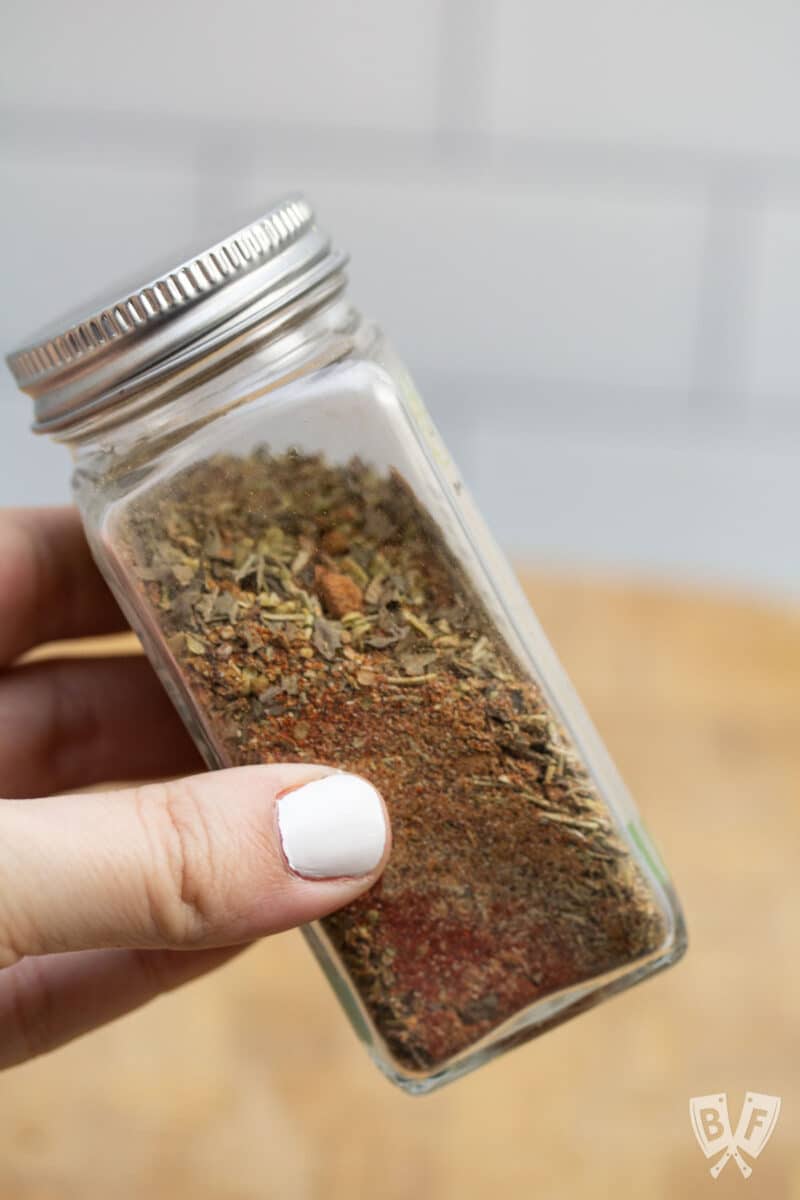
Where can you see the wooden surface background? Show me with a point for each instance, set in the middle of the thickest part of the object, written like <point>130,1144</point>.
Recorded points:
<point>249,1085</point>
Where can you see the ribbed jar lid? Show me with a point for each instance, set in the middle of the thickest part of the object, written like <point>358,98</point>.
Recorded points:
<point>206,299</point>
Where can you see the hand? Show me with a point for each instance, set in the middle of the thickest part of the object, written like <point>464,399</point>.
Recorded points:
<point>107,899</point>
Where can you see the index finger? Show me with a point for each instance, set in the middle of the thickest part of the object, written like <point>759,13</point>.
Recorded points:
<point>50,587</point>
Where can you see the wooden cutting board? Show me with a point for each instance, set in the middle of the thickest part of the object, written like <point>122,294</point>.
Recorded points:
<point>249,1084</point>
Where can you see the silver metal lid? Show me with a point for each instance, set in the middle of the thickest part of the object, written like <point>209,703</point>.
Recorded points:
<point>76,366</point>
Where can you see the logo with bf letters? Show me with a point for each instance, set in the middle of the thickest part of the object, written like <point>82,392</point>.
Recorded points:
<point>712,1128</point>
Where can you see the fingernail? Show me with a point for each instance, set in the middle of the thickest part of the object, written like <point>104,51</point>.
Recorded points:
<point>332,826</point>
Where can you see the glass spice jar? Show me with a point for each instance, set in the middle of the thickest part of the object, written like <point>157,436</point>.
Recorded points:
<point>269,501</point>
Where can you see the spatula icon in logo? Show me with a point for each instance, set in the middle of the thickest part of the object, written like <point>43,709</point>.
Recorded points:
<point>712,1128</point>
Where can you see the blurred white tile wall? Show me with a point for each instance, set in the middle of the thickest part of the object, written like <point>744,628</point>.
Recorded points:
<point>580,223</point>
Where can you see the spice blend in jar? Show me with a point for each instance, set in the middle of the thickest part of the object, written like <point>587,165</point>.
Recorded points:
<point>264,491</point>
<point>317,616</point>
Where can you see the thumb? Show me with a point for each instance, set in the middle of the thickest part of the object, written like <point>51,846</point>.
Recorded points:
<point>211,860</point>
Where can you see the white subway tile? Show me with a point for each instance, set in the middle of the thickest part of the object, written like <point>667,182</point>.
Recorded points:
<point>352,62</point>
<point>720,75</point>
<point>535,280</point>
<point>712,509</point>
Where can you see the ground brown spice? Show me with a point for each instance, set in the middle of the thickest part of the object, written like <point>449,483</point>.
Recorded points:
<point>315,614</point>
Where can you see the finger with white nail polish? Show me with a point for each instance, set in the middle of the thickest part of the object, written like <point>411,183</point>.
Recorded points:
<point>212,860</point>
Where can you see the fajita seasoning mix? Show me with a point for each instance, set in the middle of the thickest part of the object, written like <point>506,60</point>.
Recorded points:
<point>332,625</point>
<point>283,527</point>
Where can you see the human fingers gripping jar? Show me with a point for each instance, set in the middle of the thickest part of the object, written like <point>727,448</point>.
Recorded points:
<point>279,521</point>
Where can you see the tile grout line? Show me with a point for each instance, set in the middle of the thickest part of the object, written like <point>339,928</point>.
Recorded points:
<point>516,159</point>
<point>734,207</point>
<point>462,79</point>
